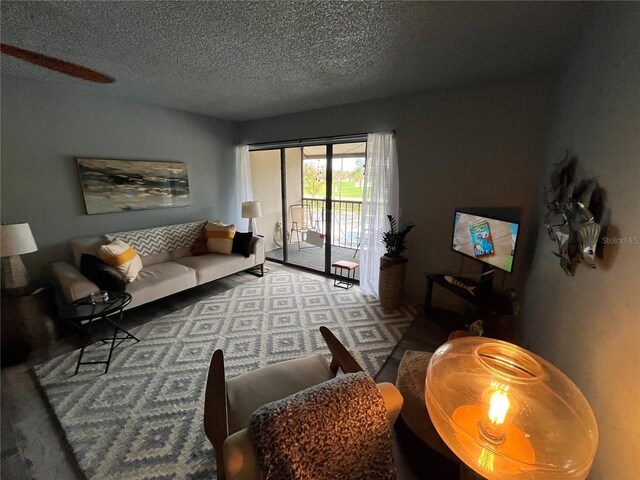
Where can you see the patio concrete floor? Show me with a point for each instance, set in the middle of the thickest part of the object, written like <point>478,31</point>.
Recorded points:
<point>311,256</point>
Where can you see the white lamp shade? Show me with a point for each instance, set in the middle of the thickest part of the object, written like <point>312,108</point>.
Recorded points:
<point>16,239</point>
<point>251,209</point>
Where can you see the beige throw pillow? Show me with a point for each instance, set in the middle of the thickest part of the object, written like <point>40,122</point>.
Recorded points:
<point>220,238</point>
<point>123,258</point>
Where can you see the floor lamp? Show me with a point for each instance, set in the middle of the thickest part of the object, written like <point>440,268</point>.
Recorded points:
<point>508,413</point>
<point>15,240</point>
<point>251,210</point>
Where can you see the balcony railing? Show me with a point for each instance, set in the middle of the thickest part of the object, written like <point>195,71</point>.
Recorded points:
<point>345,220</point>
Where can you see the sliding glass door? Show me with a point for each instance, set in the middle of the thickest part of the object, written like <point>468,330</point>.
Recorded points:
<point>311,197</point>
<point>348,162</point>
<point>306,186</point>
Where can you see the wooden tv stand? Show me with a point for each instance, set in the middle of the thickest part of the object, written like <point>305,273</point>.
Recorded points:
<point>494,307</point>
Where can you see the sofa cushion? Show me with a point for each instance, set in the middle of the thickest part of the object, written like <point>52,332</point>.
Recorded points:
<point>104,276</point>
<point>159,280</point>
<point>148,260</point>
<point>123,258</point>
<point>181,252</point>
<point>213,265</point>
<point>220,238</point>
<point>242,243</point>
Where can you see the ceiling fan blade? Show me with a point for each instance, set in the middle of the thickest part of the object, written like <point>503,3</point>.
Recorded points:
<point>56,64</point>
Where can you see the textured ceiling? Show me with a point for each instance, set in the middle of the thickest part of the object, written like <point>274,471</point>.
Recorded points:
<point>246,60</point>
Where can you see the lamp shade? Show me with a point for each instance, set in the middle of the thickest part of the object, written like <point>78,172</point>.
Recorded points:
<point>251,209</point>
<point>16,239</point>
<point>508,413</point>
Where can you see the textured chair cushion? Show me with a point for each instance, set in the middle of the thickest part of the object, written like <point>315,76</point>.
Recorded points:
<point>240,460</point>
<point>336,429</point>
<point>247,392</point>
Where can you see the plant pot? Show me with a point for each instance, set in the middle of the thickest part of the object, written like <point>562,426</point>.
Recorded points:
<point>391,282</point>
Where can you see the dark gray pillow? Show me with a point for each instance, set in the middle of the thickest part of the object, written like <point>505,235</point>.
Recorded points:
<point>104,276</point>
<point>242,243</point>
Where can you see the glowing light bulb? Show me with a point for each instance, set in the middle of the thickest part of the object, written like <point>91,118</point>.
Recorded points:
<point>499,406</point>
<point>498,411</point>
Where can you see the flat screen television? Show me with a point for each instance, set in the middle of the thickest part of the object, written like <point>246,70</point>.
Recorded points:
<point>485,239</point>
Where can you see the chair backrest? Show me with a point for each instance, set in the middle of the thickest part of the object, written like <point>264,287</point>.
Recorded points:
<point>300,216</point>
<point>217,411</point>
<point>272,383</point>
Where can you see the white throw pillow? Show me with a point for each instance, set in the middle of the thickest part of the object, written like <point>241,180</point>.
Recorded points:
<point>220,237</point>
<point>123,258</point>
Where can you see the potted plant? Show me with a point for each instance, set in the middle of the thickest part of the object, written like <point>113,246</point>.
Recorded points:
<point>393,265</point>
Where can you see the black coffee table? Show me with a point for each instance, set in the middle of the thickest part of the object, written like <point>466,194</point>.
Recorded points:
<point>84,312</point>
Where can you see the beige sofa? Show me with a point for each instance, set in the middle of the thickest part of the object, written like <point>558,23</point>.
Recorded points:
<point>168,265</point>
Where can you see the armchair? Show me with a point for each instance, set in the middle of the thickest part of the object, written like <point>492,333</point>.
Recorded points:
<point>230,403</point>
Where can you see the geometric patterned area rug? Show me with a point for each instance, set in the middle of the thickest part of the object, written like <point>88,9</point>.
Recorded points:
<point>144,419</point>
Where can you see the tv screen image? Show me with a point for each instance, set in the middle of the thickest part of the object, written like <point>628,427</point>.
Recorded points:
<point>488,240</point>
<point>481,238</point>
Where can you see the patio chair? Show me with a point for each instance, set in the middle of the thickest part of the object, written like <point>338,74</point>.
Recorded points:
<point>300,221</point>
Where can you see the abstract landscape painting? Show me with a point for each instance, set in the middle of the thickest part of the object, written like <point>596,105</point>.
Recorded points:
<point>123,185</point>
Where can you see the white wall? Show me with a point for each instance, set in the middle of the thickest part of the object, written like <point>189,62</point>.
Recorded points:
<point>265,173</point>
<point>267,188</point>
<point>45,127</point>
<point>474,146</point>
<point>589,325</point>
<point>293,163</point>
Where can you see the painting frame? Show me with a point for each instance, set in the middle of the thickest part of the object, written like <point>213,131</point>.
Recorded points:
<point>123,185</point>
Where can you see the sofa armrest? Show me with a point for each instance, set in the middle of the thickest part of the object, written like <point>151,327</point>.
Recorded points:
<point>70,282</point>
<point>257,248</point>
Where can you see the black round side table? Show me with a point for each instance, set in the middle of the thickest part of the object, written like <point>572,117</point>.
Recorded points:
<point>84,312</point>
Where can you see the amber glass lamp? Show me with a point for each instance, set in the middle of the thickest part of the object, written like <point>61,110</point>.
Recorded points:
<point>508,413</point>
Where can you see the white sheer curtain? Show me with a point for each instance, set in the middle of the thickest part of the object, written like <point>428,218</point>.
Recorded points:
<point>244,183</point>
<point>379,198</point>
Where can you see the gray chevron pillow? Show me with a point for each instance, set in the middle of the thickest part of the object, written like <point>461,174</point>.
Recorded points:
<point>161,239</point>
